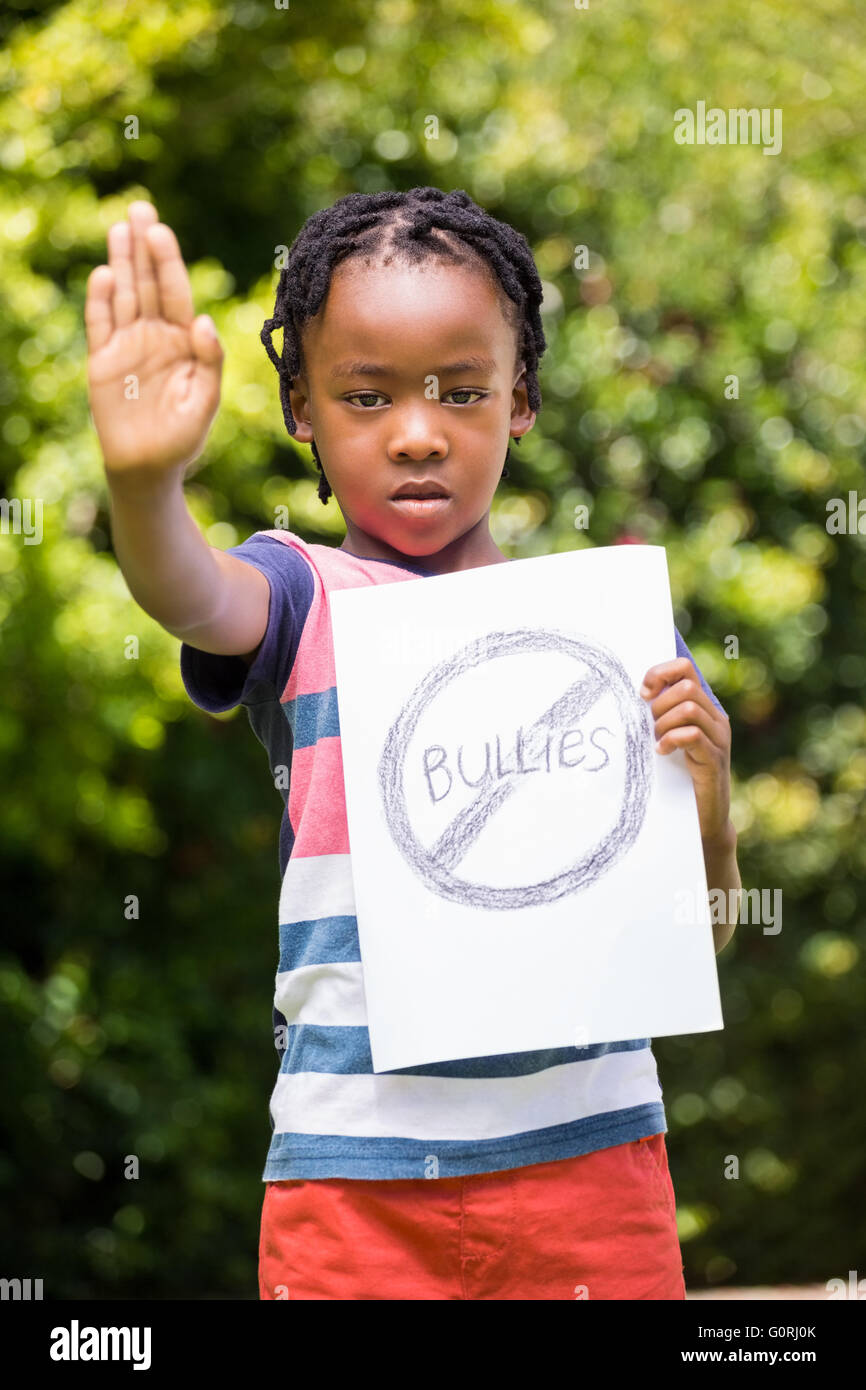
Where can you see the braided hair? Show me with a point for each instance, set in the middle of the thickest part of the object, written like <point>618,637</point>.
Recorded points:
<point>417,224</point>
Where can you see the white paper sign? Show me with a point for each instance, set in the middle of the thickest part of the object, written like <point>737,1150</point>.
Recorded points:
<point>528,870</point>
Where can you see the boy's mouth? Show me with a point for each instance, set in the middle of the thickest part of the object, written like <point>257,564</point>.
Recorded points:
<point>420,497</point>
<point>422,488</point>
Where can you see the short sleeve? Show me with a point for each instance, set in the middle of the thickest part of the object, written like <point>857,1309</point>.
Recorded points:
<point>682,650</point>
<point>216,683</point>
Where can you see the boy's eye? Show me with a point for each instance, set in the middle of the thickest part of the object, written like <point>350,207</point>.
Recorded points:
<point>366,397</point>
<point>464,391</point>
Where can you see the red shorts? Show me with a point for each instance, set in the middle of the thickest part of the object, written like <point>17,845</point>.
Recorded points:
<point>599,1226</point>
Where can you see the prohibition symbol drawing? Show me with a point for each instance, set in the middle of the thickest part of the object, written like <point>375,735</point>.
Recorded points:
<point>600,675</point>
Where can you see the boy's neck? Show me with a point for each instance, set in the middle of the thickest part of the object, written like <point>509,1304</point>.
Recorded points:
<point>465,553</point>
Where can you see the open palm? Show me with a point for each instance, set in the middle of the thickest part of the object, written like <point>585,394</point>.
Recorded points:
<point>153,368</point>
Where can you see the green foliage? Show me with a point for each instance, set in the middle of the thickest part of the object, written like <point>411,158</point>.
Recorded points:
<point>151,1036</point>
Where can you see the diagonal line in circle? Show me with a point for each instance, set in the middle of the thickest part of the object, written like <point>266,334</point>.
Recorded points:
<point>572,705</point>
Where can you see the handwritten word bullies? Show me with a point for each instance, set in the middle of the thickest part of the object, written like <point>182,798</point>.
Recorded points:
<point>547,749</point>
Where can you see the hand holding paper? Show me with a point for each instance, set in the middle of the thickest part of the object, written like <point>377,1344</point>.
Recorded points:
<point>686,718</point>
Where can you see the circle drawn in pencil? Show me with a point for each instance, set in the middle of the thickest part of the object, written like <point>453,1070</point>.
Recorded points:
<point>435,865</point>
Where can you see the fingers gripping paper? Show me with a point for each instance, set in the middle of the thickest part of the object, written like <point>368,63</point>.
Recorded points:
<point>520,852</point>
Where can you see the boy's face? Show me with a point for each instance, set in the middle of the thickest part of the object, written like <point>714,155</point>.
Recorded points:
<point>385,397</point>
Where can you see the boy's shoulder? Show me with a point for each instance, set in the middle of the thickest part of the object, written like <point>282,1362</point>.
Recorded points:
<point>279,550</point>
<point>312,549</point>
<point>282,535</point>
<point>337,567</point>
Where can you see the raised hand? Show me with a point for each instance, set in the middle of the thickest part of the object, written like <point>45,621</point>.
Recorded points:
<point>153,368</point>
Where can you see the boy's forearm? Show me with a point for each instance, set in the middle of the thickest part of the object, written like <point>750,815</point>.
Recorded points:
<point>720,863</point>
<point>170,569</point>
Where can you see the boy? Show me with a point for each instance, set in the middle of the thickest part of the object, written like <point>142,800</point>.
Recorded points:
<point>537,1175</point>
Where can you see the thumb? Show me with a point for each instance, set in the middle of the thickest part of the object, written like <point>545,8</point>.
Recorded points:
<point>205,341</point>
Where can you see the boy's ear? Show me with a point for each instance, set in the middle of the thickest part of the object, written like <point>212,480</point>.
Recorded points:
<point>299,399</point>
<point>520,411</point>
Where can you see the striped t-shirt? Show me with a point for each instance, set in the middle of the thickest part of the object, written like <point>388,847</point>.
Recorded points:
<point>331,1116</point>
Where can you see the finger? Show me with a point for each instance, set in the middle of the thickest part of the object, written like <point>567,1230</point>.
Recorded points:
<point>209,361</point>
<point>689,714</point>
<point>679,681</point>
<point>665,672</point>
<point>141,216</point>
<point>98,311</point>
<point>125,303</point>
<point>693,740</point>
<point>688,688</point>
<point>175,294</point>
<point>206,343</point>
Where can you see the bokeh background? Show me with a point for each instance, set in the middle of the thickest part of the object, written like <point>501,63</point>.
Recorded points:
<point>153,1036</point>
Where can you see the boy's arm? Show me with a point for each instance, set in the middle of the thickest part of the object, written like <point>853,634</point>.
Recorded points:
<point>720,862</point>
<point>141,323</point>
<point>684,710</point>
<point>207,598</point>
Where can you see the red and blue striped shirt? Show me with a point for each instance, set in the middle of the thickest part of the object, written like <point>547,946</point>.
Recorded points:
<point>331,1116</point>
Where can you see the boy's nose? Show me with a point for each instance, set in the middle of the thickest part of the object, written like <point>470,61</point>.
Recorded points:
<point>416,435</point>
<point>418,446</point>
